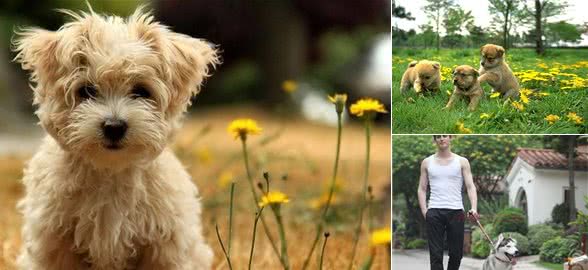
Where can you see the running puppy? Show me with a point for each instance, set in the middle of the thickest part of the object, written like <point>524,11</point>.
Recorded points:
<point>422,75</point>
<point>504,256</point>
<point>465,79</point>
<point>495,71</point>
<point>104,191</point>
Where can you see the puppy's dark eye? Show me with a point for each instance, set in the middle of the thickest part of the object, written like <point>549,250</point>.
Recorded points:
<point>427,77</point>
<point>140,91</point>
<point>87,91</point>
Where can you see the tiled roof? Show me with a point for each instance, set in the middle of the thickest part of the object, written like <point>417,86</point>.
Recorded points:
<point>551,159</point>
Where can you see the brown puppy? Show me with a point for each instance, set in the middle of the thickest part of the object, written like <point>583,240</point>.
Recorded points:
<point>465,79</point>
<point>496,72</point>
<point>422,75</point>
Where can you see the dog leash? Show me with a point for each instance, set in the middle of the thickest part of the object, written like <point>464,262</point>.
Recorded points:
<point>484,232</point>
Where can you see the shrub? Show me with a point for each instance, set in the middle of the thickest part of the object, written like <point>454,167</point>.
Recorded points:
<point>510,220</point>
<point>477,234</point>
<point>556,250</point>
<point>522,241</point>
<point>481,249</point>
<point>416,244</point>
<point>561,214</point>
<point>539,234</point>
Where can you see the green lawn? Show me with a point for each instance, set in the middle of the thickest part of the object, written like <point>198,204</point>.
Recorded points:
<point>555,85</point>
<point>552,266</point>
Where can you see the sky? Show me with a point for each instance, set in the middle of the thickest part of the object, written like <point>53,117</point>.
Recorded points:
<point>575,13</point>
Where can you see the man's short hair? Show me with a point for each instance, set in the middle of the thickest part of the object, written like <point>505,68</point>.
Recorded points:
<point>435,137</point>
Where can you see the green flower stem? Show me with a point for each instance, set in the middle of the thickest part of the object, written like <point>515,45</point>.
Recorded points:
<point>257,216</point>
<point>322,222</point>
<point>231,218</point>
<point>283,242</point>
<point>256,201</point>
<point>323,253</point>
<point>223,247</point>
<point>364,191</point>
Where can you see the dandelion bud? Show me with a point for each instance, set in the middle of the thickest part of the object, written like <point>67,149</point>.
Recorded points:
<point>339,100</point>
<point>260,185</point>
<point>266,176</point>
<point>327,234</point>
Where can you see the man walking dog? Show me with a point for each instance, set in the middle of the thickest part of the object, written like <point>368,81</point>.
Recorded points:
<point>446,173</point>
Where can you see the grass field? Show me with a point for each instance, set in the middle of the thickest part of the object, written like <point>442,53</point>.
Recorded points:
<point>554,95</point>
<point>294,147</point>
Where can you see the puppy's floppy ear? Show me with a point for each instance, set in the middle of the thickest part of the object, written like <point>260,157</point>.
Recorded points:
<point>500,50</point>
<point>36,50</point>
<point>436,65</point>
<point>189,59</point>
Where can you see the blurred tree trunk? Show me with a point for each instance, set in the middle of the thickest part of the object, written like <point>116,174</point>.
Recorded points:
<point>539,49</point>
<point>282,47</point>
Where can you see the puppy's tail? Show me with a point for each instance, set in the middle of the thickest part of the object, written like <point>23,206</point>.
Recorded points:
<point>412,64</point>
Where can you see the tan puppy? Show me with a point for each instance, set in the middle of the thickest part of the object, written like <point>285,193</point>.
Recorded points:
<point>495,71</point>
<point>422,75</point>
<point>104,191</point>
<point>465,79</point>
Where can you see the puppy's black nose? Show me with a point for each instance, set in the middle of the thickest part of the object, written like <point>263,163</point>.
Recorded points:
<point>481,63</point>
<point>114,129</point>
<point>517,253</point>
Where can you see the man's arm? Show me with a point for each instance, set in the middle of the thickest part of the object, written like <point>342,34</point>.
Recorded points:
<point>422,191</point>
<point>470,187</point>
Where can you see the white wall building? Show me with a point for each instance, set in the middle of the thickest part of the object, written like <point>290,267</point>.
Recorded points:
<point>538,180</point>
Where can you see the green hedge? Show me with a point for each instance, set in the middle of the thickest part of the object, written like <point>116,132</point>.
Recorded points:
<point>539,234</point>
<point>556,250</point>
<point>481,249</point>
<point>511,220</point>
<point>416,244</point>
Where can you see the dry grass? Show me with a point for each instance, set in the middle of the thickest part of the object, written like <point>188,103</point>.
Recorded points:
<point>302,150</point>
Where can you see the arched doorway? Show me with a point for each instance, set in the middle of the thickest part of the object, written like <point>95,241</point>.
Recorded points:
<point>521,200</point>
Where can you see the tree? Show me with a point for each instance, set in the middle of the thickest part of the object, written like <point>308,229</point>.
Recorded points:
<point>477,35</point>
<point>504,12</point>
<point>436,9</point>
<point>400,36</point>
<point>541,12</point>
<point>566,145</point>
<point>562,31</point>
<point>456,20</point>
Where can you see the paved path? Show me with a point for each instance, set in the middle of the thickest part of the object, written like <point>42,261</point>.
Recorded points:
<point>419,260</point>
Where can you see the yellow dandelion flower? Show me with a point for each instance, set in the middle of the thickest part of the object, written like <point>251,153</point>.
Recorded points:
<point>495,95</point>
<point>289,86</point>
<point>526,91</point>
<point>542,65</point>
<point>517,105</point>
<point>319,202</point>
<point>381,237</point>
<point>367,106</point>
<point>484,116</point>
<point>524,98</point>
<point>240,128</point>
<point>273,198</point>
<point>462,129</point>
<point>543,94</point>
<point>203,155</point>
<point>573,117</point>
<point>224,179</point>
<point>552,118</point>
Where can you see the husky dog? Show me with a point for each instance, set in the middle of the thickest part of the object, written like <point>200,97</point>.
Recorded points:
<point>503,257</point>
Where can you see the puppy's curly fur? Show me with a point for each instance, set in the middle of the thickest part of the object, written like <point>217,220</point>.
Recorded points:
<point>95,200</point>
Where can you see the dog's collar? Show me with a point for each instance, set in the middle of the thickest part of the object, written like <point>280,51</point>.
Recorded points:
<point>504,261</point>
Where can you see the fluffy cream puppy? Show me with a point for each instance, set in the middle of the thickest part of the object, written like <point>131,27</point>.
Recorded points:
<point>104,191</point>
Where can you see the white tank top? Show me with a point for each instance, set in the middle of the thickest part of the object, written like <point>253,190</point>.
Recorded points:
<point>446,182</point>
